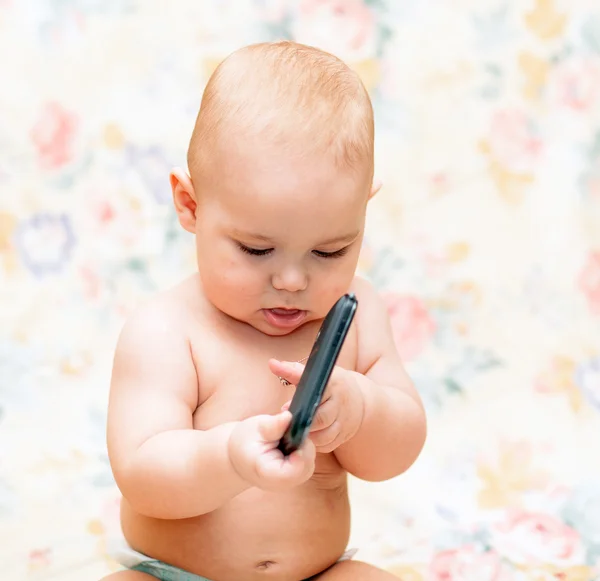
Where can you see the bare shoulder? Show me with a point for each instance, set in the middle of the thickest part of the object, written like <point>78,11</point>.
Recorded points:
<point>372,312</point>
<point>378,356</point>
<point>374,331</point>
<point>365,292</point>
<point>154,384</point>
<point>154,341</point>
<point>164,314</point>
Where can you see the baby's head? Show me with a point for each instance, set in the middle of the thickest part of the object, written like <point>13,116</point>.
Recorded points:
<point>280,172</point>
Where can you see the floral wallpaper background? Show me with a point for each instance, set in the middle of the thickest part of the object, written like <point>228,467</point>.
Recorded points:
<point>485,241</point>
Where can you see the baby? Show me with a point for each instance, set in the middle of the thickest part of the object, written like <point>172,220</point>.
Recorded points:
<point>280,172</point>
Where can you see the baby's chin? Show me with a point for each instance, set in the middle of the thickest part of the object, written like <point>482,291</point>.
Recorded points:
<point>273,332</point>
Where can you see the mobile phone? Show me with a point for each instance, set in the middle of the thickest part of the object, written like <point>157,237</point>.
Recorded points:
<point>316,374</point>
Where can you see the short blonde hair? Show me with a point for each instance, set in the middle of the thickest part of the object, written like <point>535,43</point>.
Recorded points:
<point>291,95</point>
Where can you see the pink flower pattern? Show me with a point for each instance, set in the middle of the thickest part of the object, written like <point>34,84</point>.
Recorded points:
<point>412,325</point>
<point>589,281</point>
<point>468,563</point>
<point>514,142</point>
<point>53,135</point>
<point>538,538</point>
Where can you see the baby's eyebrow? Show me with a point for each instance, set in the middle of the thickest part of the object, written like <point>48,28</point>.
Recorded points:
<point>241,234</point>
<point>346,238</point>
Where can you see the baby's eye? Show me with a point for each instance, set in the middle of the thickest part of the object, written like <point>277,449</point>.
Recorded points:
<point>254,251</point>
<point>337,254</point>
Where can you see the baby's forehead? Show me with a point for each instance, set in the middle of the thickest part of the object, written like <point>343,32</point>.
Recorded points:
<point>306,229</point>
<point>259,173</point>
<point>297,204</point>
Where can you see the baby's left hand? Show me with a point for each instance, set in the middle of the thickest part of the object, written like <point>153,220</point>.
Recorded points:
<point>340,414</point>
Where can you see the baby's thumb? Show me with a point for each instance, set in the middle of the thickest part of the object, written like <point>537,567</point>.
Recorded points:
<point>273,427</point>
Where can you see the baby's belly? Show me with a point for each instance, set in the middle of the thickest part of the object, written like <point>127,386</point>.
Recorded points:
<point>258,535</point>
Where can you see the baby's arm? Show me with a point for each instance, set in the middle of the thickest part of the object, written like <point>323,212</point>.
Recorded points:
<point>393,429</point>
<point>163,467</point>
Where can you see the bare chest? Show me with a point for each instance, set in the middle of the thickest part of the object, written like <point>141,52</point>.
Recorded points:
<point>234,379</point>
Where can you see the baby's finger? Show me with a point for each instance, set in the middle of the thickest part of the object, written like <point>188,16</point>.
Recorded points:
<point>325,440</point>
<point>271,428</point>
<point>336,381</point>
<point>326,414</point>
<point>276,468</point>
<point>308,451</point>
<point>286,406</point>
<point>273,467</point>
<point>334,445</point>
<point>286,369</point>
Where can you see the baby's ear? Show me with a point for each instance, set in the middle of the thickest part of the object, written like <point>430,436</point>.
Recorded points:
<point>184,198</point>
<point>375,187</point>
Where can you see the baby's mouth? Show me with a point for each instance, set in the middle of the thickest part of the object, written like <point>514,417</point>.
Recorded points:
<point>285,312</point>
<point>284,318</point>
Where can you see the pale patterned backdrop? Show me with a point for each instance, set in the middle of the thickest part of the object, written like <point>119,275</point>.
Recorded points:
<point>485,239</point>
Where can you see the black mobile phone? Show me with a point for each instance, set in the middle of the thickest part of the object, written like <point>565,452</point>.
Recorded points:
<point>317,372</point>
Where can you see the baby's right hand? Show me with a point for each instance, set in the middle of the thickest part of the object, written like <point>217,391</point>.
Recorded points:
<point>255,457</point>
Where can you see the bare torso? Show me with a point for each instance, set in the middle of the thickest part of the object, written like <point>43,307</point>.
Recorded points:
<point>257,535</point>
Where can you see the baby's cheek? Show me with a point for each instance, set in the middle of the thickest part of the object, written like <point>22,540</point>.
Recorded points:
<point>340,280</point>
<point>220,272</point>
<point>242,278</point>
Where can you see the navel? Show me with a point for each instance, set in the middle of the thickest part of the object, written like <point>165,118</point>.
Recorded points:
<point>264,565</point>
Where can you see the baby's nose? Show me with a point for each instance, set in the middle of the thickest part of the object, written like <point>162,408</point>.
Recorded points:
<point>290,279</point>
